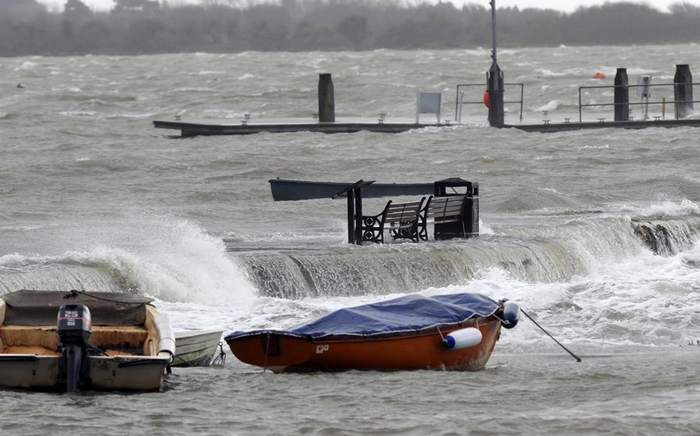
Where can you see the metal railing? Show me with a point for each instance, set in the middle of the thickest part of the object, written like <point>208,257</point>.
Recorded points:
<point>459,98</point>
<point>643,103</point>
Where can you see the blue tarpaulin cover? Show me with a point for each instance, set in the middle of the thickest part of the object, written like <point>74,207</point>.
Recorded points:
<point>407,313</point>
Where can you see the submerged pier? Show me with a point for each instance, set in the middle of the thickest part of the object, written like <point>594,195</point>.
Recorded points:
<point>672,106</point>
<point>325,121</point>
<point>610,107</point>
<point>196,127</point>
<point>571,126</point>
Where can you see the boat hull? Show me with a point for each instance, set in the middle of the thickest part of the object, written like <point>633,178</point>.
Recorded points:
<point>280,352</point>
<point>196,348</point>
<point>291,190</point>
<point>129,373</point>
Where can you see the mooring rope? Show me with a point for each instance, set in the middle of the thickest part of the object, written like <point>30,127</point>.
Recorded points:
<point>74,293</point>
<point>221,358</point>
<point>578,359</point>
<point>186,363</point>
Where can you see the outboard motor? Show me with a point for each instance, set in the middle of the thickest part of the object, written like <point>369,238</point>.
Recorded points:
<point>74,331</point>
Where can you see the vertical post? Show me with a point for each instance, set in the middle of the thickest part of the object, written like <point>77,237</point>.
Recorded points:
<point>522,97</point>
<point>622,95</point>
<point>326,98</point>
<point>683,91</point>
<point>494,82</point>
<point>493,29</point>
<point>495,89</point>
<point>358,215</point>
<point>663,108</point>
<point>351,218</point>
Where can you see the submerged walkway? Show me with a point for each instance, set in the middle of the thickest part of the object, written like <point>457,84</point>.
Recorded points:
<point>231,126</point>
<point>569,126</point>
<point>194,127</point>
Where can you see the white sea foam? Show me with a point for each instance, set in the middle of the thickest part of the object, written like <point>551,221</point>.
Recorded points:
<point>27,65</point>
<point>594,147</point>
<point>551,106</point>
<point>549,73</point>
<point>181,262</point>
<point>668,209</point>
<point>13,260</point>
<point>170,259</point>
<point>210,72</point>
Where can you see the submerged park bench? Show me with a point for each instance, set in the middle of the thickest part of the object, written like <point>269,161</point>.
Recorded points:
<point>443,210</point>
<point>410,220</point>
<point>453,215</point>
<point>402,218</point>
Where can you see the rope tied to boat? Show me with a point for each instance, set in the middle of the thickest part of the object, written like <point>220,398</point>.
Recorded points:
<point>182,362</point>
<point>74,293</point>
<point>221,358</point>
<point>578,359</point>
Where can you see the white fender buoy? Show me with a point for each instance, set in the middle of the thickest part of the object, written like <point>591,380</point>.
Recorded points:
<point>511,314</point>
<point>463,338</point>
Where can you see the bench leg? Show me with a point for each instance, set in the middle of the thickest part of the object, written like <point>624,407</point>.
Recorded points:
<point>372,230</point>
<point>407,232</point>
<point>423,230</point>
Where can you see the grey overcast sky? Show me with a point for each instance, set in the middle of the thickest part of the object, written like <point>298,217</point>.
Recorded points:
<point>562,5</point>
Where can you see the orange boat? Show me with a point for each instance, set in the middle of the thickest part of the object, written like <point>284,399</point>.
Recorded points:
<point>452,332</point>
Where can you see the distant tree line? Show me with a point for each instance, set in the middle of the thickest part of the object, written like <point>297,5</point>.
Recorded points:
<point>149,26</point>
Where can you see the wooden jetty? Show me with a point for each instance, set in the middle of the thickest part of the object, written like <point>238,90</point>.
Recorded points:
<point>587,125</point>
<point>680,112</point>
<point>680,105</point>
<point>209,127</point>
<point>324,121</point>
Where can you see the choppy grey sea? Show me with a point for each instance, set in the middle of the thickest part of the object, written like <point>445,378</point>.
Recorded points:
<point>593,233</point>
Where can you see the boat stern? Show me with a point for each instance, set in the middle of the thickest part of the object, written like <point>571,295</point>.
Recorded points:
<point>29,371</point>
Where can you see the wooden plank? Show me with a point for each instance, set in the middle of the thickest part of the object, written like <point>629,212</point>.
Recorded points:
<point>403,212</point>
<point>446,209</point>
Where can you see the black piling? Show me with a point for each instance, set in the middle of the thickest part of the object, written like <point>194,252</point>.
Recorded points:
<point>354,197</point>
<point>622,95</point>
<point>326,98</point>
<point>494,79</point>
<point>683,91</point>
<point>352,235</point>
<point>495,89</point>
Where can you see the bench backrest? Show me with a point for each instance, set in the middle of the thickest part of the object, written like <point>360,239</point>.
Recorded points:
<point>403,212</point>
<point>446,209</point>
